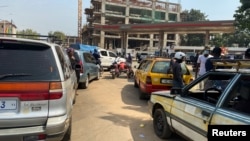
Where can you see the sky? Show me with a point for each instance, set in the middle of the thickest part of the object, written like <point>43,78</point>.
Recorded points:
<point>44,16</point>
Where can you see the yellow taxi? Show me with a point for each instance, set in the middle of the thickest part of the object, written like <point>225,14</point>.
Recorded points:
<point>154,74</point>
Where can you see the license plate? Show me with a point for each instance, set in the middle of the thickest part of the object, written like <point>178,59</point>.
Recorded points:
<point>8,104</point>
<point>112,70</point>
<point>166,81</point>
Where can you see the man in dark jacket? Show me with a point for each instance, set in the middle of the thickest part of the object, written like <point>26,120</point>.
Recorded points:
<point>177,71</point>
<point>216,52</point>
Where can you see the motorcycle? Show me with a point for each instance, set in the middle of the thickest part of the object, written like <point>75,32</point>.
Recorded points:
<point>126,68</point>
<point>114,70</point>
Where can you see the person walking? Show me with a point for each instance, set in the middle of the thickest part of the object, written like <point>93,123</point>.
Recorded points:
<point>177,70</point>
<point>200,66</point>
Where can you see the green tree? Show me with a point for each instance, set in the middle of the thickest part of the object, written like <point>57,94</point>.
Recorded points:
<point>28,34</point>
<point>192,39</point>
<point>57,36</point>
<point>242,16</point>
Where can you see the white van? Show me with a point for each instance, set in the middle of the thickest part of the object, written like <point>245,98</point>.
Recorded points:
<point>107,57</point>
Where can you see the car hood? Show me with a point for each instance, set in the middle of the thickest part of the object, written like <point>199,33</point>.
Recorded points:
<point>163,93</point>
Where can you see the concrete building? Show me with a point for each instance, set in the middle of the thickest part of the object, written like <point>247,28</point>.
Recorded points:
<point>110,12</point>
<point>7,28</point>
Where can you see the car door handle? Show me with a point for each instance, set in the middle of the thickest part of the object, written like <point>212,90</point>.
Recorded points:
<point>205,113</point>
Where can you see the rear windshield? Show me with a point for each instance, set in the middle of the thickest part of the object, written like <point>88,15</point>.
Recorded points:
<point>161,67</point>
<point>27,62</point>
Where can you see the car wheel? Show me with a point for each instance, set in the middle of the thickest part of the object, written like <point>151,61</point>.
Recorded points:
<point>135,83</point>
<point>67,135</point>
<point>86,83</point>
<point>161,127</point>
<point>142,95</point>
<point>98,75</point>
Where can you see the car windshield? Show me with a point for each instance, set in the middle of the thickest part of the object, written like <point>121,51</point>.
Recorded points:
<point>27,62</point>
<point>161,67</point>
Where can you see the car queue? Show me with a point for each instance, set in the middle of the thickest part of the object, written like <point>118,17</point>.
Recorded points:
<point>39,99</point>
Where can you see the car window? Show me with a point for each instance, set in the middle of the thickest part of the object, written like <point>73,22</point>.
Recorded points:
<point>64,62</point>
<point>160,67</point>
<point>28,61</point>
<point>238,99</point>
<point>111,54</point>
<point>144,64</point>
<point>104,53</point>
<point>210,87</point>
<point>88,57</point>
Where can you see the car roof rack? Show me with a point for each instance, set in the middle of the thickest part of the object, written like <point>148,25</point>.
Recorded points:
<point>233,63</point>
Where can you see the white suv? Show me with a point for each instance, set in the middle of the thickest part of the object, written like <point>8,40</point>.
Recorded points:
<point>37,91</point>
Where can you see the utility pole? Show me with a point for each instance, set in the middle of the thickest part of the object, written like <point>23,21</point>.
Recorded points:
<point>80,21</point>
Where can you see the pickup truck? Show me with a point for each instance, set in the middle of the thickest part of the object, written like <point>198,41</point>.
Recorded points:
<point>219,97</point>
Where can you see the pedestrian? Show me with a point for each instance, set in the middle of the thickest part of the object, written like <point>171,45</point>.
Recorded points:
<point>216,52</point>
<point>200,66</point>
<point>177,70</point>
<point>74,60</point>
<point>97,57</point>
<point>129,59</point>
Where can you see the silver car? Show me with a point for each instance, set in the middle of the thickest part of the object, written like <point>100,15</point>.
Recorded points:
<point>37,91</point>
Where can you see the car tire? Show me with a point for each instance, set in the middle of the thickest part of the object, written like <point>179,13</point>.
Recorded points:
<point>161,127</point>
<point>98,75</point>
<point>67,136</point>
<point>142,95</point>
<point>135,84</point>
<point>85,84</point>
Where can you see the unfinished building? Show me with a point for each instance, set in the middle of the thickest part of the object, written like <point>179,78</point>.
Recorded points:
<point>110,12</point>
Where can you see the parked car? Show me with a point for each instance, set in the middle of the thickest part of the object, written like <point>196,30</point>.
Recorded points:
<point>37,91</point>
<point>189,55</point>
<point>219,97</point>
<point>154,74</point>
<point>90,70</point>
<point>142,56</point>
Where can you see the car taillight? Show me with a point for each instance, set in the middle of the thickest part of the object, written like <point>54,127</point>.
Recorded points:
<point>148,80</point>
<point>55,90</point>
<point>31,91</point>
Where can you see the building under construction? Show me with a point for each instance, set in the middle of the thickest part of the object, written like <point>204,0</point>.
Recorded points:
<point>110,12</point>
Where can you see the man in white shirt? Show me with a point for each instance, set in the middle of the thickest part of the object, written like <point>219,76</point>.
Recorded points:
<point>200,67</point>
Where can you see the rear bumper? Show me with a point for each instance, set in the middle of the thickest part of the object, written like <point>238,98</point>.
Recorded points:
<point>148,88</point>
<point>55,129</point>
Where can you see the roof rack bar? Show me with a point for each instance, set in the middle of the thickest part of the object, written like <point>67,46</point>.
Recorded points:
<point>236,63</point>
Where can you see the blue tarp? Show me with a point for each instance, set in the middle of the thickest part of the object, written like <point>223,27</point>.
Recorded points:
<point>83,47</point>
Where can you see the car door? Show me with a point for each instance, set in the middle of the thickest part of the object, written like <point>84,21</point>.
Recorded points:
<point>89,63</point>
<point>234,106</point>
<point>105,59</point>
<point>192,112</point>
<point>112,56</point>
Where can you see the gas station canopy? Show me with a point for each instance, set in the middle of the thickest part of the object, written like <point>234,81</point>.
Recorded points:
<point>224,26</point>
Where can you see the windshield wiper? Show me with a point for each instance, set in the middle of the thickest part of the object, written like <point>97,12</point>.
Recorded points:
<point>14,75</point>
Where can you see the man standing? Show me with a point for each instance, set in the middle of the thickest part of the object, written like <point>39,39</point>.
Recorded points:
<point>177,71</point>
<point>200,66</point>
<point>216,55</point>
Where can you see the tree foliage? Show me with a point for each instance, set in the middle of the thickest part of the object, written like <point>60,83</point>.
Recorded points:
<point>59,36</point>
<point>242,16</point>
<point>28,34</point>
<point>192,39</point>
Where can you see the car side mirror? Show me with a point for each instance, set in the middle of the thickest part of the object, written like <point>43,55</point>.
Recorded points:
<point>175,91</point>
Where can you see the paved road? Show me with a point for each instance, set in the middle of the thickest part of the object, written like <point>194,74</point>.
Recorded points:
<point>110,110</point>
